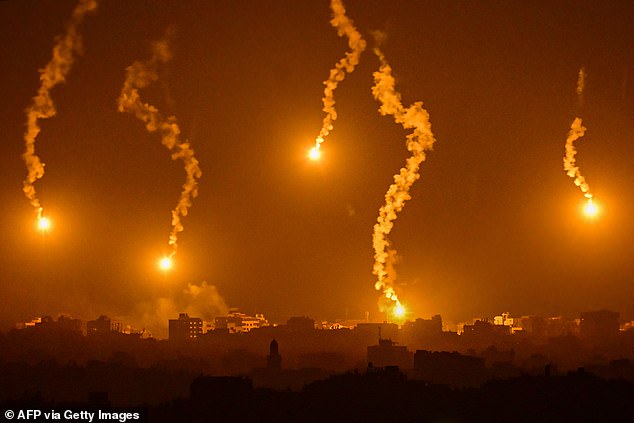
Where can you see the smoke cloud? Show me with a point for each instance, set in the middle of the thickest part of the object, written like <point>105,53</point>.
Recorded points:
<point>66,48</point>
<point>357,44</point>
<point>420,140</point>
<point>201,300</point>
<point>577,130</point>
<point>138,76</point>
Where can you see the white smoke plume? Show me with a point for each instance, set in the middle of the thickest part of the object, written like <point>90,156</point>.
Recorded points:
<point>201,300</point>
<point>577,130</point>
<point>138,76</point>
<point>420,140</point>
<point>54,73</point>
<point>357,45</point>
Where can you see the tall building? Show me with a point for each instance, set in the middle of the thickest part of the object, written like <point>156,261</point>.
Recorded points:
<point>274,359</point>
<point>185,327</point>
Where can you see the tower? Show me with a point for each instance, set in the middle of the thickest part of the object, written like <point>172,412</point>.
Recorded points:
<point>274,359</point>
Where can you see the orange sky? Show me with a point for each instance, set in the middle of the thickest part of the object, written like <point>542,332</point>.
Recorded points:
<point>494,223</point>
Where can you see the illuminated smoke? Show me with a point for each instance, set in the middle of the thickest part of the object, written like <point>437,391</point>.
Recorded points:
<point>197,300</point>
<point>421,139</point>
<point>581,84</point>
<point>54,73</point>
<point>577,130</point>
<point>138,76</point>
<point>357,44</point>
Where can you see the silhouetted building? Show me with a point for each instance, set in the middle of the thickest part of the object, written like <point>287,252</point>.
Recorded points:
<point>100,326</point>
<point>48,324</point>
<point>274,359</point>
<point>484,328</point>
<point>423,332</point>
<point>599,325</point>
<point>185,327</point>
<point>300,324</point>
<point>387,353</point>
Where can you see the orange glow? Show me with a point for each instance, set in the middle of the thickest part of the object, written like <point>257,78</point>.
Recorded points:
<point>314,153</point>
<point>166,263</point>
<point>399,311</point>
<point>43,224</point>
<point>590,209</point>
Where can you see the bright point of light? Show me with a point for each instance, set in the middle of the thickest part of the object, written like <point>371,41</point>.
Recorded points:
<point>590,209</point>
<point>399,311</point>
<point>43,224</point>
<point>314,153</point>
<point>165,263</point>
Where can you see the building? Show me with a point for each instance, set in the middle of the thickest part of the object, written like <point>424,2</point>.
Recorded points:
<point>423,332</point>
<point>236,322</point>
<point>99,326</point>
<point>185,327</point>
<point>387,353</point>
<point>599,325</point>
<point>274,359</point>
<point>300,324</point>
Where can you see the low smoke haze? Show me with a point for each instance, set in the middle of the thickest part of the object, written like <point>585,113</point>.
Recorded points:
<point>494,223</point>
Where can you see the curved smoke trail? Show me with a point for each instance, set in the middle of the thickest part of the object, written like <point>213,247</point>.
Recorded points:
<point>419,141</point>
<point>577,130</point>
<point>54,73</point>
<point>357,45</point>
<point>138,76</point>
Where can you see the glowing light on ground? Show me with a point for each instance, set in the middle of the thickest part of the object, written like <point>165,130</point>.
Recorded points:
<point>590,209</point>
<point>314,153</point>
<point>166,263</point>
<point>43,224</point>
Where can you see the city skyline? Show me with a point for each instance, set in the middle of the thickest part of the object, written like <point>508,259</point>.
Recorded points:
<point>493,224</point>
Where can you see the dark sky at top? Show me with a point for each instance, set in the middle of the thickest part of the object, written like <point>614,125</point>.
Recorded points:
<point>494,224</point>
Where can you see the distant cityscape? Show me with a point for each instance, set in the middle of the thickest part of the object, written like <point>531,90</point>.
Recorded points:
<point>218,365</point>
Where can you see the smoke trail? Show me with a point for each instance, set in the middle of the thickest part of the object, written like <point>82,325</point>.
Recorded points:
<point>420,140</point>
<point>54,73</point>
<point>577,130</point>
<point>357,45</point>
<point>138,76</point>
<point>581,84</point>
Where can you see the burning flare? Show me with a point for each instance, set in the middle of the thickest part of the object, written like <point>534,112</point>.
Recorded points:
<point>357,44</point>
<point>43,224</point>
<point>138,76</point>
<point>54,73</point>
<point>577,130</point>
<point>420,140</point>
<point>590,209</point>
<point>166,263</point>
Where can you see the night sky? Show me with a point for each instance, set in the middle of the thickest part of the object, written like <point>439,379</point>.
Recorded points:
<point>494,223</point>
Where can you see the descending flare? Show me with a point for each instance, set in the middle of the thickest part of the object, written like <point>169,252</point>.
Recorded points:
<point>357,44</point>
<point>52,74</point>
<point>420,140</point>
<point>590,209</point>
<point>577,130</point>
<point>43,224</point>
<point>165,263</point>
<point>138,76</point>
